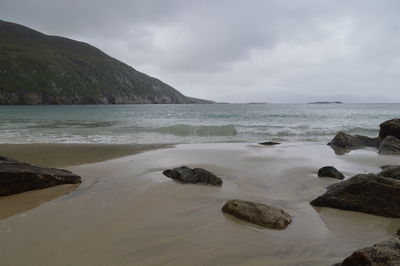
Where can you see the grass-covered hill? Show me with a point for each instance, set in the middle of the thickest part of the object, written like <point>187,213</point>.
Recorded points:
<point>40,69</point>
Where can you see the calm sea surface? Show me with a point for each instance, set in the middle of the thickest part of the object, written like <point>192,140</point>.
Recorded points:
<point>189,123</point>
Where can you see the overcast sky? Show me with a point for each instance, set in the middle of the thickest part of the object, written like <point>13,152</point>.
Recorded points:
<point>239,51</point>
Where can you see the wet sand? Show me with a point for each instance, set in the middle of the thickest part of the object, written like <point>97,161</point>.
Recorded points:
<point>61,155</point>
<point>127,213</point>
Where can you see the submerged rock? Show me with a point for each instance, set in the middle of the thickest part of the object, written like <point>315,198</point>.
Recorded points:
<point>384,253</point>
<point>390,145</point>
<point>269,143</point>
<point>258,213</point>
<point>330,171</point>
<point>346,141</point>
<point>368,193</point>
<point>17,177</point>
<point>390,128</point>
<point>392,171</point>
<point>185,174</point>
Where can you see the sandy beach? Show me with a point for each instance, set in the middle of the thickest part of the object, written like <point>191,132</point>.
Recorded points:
<point>199,133</point>
<point>127,213</point>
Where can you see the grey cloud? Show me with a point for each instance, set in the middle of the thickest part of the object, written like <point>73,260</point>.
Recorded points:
<point>239,50</point>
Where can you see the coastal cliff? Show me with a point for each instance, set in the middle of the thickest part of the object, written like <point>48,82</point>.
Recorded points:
<point>40,69</point>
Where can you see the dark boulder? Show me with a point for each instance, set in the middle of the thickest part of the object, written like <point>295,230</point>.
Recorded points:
<point>346,141</point>
<point>390,128</point>
<point>384,253</point>
<point>392,171</point>
<point>330,171</point>
<point>258,213</point>
<point>390,145</point>
<point>368,193</point>
<point>269,143</point>
<point>17,177</point>
<point>185,174</point>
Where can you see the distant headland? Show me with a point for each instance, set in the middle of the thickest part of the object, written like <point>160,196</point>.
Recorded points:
<point>40,69</point>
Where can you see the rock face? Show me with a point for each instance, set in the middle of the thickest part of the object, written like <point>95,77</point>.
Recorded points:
<point>390,145</point>
<point>17,177</point>
<point>390,128</point>
<point>330,171</point>
<point>185,174</point>
<point>386,253</point>
<point>369,193</point>
<point>258,213</point>
<point>346,141</point>
<point>40,69</point>
<point>392,171</point>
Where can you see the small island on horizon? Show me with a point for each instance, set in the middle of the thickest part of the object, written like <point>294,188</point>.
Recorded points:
<point>337,102</point>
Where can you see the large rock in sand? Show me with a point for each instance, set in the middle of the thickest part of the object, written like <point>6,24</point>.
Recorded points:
<point>346,141</point>
<point>390,128</point>
<point>258,213</point>
<point>369,193</point>
<point>185,174</point>
<point>390,145</point>
<point>330,171</point>
<point>386,253</point>
<point>392,171</point>
<point>17,177</point>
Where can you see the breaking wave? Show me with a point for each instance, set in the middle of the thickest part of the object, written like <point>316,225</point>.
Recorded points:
<point>190,130</point>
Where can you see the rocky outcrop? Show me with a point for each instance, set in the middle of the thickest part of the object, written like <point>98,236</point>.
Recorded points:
<point>346,141</point>
<point>17,177</point>
<point>388,141</point>
<point>390,145</point>
<point>369,193</point>
<point>185,174</point>
<point>330,171</point>
<point>390,128</point>
<point>269,143</point>
<point>391,171</point>
<point>386,253</point>
<point>258,213</point>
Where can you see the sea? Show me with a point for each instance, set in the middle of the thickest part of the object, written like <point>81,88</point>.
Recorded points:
<point>202,123</point>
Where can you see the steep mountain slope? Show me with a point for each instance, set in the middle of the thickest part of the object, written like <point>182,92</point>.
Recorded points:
<point>39,69</point>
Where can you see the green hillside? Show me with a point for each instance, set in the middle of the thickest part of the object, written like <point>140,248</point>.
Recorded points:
<point>40,69</point>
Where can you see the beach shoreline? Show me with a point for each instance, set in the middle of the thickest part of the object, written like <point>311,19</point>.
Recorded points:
<point>126,212</point>
<point>69,154</point>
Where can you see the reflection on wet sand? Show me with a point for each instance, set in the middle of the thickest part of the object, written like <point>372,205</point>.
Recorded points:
<point>12,205</point>
<point>62,155</point>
